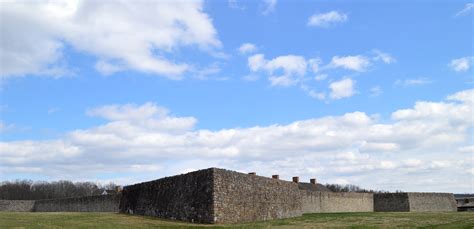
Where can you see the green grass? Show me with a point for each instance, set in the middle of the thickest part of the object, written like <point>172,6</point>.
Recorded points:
<point>321,220</point>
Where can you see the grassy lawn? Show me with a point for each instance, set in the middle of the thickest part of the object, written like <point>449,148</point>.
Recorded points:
<point>321,220</point>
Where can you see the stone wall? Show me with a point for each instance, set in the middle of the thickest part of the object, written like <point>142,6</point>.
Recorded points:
<point>314,202</point>
<point>17,205</point>
<point>432,202</point>
<point>391,202</point>
<point>186,197</point>
<point>241,197</point>
<point>414,202</point>
<point>102,203</point>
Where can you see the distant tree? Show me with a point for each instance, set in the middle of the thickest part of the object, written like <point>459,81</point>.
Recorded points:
<point>352,188</point>
<point>29,190</point>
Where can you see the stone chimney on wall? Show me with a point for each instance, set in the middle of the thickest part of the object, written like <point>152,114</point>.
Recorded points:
<point>296,179</point>
<point>312,181</point>
<point>253,173</point>
<point>276,177</point>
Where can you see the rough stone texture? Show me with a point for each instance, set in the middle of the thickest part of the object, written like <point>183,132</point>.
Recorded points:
<point>17,205</point>
<point>314,202</point>
<point>186,197</point>
<point>391,202</point>
<point>414,202</point>
<point>432,202</point>
<point>102,203</point>
<point>240,197</point>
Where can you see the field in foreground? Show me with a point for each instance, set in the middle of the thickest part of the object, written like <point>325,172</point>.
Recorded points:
<point>321,220</point>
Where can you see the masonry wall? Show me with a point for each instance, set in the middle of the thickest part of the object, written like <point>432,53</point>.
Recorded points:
<point>414,202</point>
<point>432,202</point>
<point>241,197</point>
<point>17,205</point>
<point>314,202</point>
<point>186,197</point>
<point>102,203</point>
<point>391,202</point>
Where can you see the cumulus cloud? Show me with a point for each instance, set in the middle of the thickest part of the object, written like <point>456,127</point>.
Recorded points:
<point>121,34</point>
<point>353,146</point>
<point>327,19</point>
<point>342,89</point>
<point>357,63</point>
<point>247,48</point>
<point>293,68</point>
<point>462,64</point>
<point>384,57</point>
<point>466,10</point>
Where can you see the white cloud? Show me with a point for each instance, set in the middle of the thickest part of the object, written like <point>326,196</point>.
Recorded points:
<point>106,68</point>
<point>467,149</point>
<point>269,6</point>
<point>205,73</point>
<point>247,48</point>
<point>385,57</point>
<point>413,82</point>
<point>465,96</point>
<point>315,64</point>
<point>420,141</point>
<point>313,93</point>
<point>256,62</point>
<point>466,10</point>
<point>376,91</point>
<point>293,68</point>
<point>342,89</point>
<point>379,147</point>
<point>321,77</point>
<point>33,34</point>
<point>462,64</point>
<point>356,63</point>
<point>327,19</point>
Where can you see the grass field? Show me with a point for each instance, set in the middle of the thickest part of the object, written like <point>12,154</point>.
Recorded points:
<point>322,220</point>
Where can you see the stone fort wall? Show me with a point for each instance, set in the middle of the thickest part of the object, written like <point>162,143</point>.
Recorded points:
<point>315,202</point>
<point>429,202</point>
<point>186,197</point>
<point>241,197</point>
<point>414,202</point>
<point>17,205</point>
<point>102,203</point>
<point>222,196</point>
<point>391,202</point>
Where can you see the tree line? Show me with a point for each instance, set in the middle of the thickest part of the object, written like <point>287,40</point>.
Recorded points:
<point>30,190</point>
<point>352,188</point>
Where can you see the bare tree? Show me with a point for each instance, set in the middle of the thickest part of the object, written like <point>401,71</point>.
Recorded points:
<point>29,190</point>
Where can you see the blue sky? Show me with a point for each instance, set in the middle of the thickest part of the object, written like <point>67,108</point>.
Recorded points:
<point>333,89</point>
